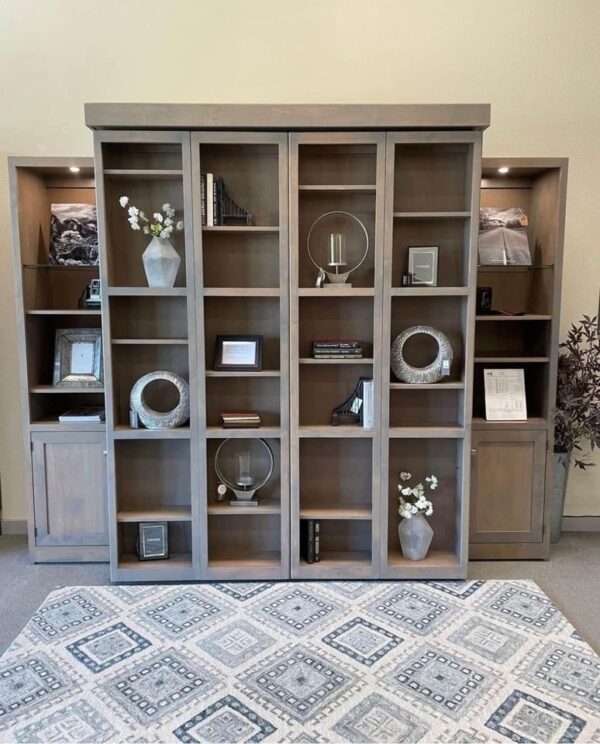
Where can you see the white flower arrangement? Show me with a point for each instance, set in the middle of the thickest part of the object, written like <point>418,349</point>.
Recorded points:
<point>163,224</point>
<point>412,500</point>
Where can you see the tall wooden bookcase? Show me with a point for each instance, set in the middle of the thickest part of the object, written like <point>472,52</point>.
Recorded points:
<point>67,516</point>
<point>513,461</point>
<point>411,174</point>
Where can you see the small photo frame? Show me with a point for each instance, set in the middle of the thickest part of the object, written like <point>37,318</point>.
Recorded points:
<point>423,264</point>
<point>241,353</point>
<point>78,358</point>
<point>153,541</point>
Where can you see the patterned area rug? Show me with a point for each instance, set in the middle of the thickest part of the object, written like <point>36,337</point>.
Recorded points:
<point>300,662</point>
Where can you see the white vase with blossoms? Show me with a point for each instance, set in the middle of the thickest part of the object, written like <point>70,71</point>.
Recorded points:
<point>414,531</point>
<point>161,260</point>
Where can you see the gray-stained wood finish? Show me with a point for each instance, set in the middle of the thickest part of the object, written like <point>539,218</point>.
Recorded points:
<point>412,176</point>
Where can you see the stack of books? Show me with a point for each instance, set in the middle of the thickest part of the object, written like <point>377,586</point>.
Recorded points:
<point>337,349</point>
<point>310,538</point>
<point>83,415</point>
<point>245,420</point>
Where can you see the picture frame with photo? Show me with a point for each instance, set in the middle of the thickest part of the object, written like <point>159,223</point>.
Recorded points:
<point>242,353</point>
<point>423,264</point>
<point>78,358</point>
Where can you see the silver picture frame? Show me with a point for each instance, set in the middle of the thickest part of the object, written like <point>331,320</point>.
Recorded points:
<point>78,358</point>
<point>423,264</point>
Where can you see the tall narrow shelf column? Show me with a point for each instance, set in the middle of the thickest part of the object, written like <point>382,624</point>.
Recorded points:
<point>153,474</point>
<point>241,276</point>
<point>335,469</point>
<point>432,199</point>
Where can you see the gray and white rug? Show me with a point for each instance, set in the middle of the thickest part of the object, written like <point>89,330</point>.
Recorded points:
<point>300,662</point>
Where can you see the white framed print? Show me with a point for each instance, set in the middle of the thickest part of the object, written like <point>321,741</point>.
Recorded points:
<point>423,264</point>
<point>505,398</point>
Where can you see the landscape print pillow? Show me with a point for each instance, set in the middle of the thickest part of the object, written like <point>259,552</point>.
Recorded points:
<point>74,235</point>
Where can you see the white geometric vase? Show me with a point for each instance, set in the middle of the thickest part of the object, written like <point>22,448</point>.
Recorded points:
<point>161,263</point>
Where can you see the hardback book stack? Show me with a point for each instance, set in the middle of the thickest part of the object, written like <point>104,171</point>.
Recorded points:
<point>337,349</point>
<point>82,415</point>
<point>246,420</point>
<point>310,537</point>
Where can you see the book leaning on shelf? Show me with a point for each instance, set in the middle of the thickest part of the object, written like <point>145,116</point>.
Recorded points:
<point>310,540</point>
<point>82,415</point>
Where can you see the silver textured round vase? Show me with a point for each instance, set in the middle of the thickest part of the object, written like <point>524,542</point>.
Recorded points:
<point>157,419</point>
<point>161,263</point>
<point>433,372</point>
<point>415,537</point>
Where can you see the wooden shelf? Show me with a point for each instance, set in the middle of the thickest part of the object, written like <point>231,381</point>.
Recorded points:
<point>53,424</point>
<point>64,390</point>
<point>241,562</point>
<point>427,432</point>
<point>510,269</point>
<point>434,559</point>
<point>338,188</point>
<point>241,292</point>
<point>500,358</point>
<point>63,312</point>
<point>427,386</point>
<point>527,316</point>
<point>530,423</point>
<point>312,360</point>
<point>335,559</point>
<point>254,373</point>
<point>226,510</point>
<point>429,291</point>
<point>261,432</point>
<point>150,341</point>
<point>331,290</point>
<point>248,229</point>
<point>361,513</point>
<point>126,432</point>
<point>143,173</point>
<point>335,432</point>
<point>431,215</point>
<point>175,561</point>
<point>156,514</point>
<point>61,267</point>
<point>147,291</point>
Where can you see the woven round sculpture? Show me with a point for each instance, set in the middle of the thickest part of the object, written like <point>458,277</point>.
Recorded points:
<point>433,372</point>
<point>157,419</point>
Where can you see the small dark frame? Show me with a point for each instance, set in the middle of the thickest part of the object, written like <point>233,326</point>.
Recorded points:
<point>222,364</point>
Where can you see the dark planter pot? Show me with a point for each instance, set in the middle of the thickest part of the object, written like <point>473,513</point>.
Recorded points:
<point>557,507</point>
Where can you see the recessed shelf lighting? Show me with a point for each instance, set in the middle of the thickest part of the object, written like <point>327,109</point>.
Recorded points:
<point>504,170</point>
<point>74,168</point>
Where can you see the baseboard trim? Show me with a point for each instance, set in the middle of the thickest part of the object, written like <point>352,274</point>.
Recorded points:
<point>581,524</point>
<point>13,527</point>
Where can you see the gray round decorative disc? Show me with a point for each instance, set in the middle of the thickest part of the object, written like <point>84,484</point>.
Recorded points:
<point>433,372</point>
<point>157,419</point>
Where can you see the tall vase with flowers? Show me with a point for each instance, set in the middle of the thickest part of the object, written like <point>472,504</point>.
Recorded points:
<point>414,530</point>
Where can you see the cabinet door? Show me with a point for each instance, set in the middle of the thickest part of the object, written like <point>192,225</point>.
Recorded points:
<point>507,486</point>
<point>69,484</point>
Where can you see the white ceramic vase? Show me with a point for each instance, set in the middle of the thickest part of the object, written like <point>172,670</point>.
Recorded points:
<point>161,263</point>
<point>415,537</point>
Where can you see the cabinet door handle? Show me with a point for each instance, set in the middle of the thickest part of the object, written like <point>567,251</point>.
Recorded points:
<point>473,452</point>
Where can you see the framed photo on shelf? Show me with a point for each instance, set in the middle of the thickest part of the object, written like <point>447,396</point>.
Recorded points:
<point>505,398</point>
<point>241,353</point>
<point>423,264</point>
<point>78,358</point>
<point>153,541</point>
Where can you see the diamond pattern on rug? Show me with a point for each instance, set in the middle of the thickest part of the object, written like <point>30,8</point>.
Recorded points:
<point>297,610</point>
<point>159,685</point>
<point>413,608</point>
<point>226,720</point>
<point>300,662</point>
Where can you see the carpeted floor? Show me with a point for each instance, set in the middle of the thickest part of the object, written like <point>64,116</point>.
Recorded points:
<point>479,661</point>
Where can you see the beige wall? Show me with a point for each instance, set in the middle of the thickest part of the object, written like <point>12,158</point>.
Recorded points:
<point>536,61</point>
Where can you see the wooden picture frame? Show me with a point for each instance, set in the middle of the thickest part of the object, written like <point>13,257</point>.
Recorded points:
<point>238,353</point>
<point>78,358</point>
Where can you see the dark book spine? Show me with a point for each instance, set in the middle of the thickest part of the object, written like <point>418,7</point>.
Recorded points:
<point>215,200</point>
<point>317,542</point>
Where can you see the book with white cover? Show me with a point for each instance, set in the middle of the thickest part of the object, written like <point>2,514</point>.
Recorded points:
<point>367,412</point>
